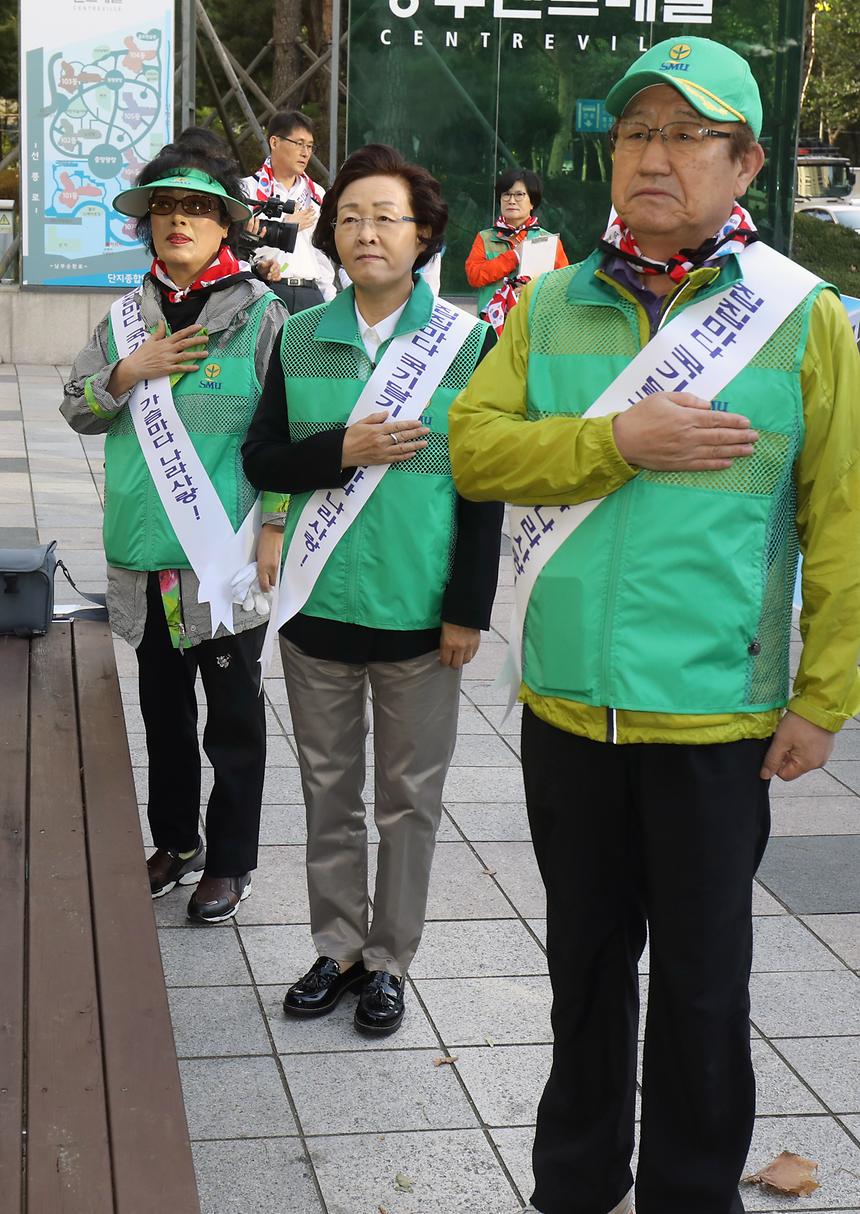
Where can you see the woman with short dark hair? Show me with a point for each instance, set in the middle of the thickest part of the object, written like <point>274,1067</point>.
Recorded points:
<point>493,264</point>
<point>174,407</point>
<point>397,605</point>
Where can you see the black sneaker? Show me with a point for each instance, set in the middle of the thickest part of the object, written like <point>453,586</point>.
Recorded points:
<point>322,987</point>
<point>380,1004</point>
<point>167,869</point>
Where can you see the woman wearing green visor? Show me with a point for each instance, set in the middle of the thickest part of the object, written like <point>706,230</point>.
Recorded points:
<point>172,377</point>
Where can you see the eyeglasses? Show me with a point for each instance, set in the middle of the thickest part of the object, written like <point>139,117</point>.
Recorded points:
<point>350,225</point>
<point>514,196</point>
<point>190,204</point>
<point>678,137</point>
<point>300,143</point>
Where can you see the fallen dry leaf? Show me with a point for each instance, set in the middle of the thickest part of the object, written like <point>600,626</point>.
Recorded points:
<point>489,1041</point>
<point>445,1060</point>
<point>488,872</point>
<point>789,1174</point>
<point>381,1210</point>
<point>403,1184</point>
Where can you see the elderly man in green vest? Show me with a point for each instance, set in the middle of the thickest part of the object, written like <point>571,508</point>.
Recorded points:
<point>669,419</point>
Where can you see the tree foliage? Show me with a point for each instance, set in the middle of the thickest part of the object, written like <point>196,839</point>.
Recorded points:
<point>299,30</point>
<point>9,49</point>
<point>832,101</point>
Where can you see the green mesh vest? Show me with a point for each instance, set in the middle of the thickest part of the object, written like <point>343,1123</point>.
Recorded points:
<point>494,246</point>
<point>674,596</point>
<point>391,568</point>
<point>216,403</point>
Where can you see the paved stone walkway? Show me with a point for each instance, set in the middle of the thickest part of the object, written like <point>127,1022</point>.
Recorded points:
<point>309,1118</point>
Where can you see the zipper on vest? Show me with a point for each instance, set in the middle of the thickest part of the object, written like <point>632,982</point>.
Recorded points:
<point>609,610</point>
<point>614,568</point>
<point>352,574</point>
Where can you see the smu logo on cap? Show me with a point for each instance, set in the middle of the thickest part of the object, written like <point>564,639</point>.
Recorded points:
<point>677,54</point>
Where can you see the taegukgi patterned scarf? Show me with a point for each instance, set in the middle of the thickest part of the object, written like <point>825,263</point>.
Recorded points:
<point>267,183</point>
<point>225,264</point>
<point>734,236</point>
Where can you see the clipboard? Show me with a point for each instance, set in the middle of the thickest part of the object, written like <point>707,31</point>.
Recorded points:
<point>538,255</point>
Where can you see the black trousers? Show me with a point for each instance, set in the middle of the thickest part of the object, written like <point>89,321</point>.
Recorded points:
<point>234,738</point>
<point>297,299</point>
<point>668,836</point>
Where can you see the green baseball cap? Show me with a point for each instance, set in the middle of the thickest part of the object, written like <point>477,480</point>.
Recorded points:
<point>135,202</point>
<point>715,80</point>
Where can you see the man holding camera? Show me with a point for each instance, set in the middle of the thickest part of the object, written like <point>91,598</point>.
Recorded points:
<point>304,276</point>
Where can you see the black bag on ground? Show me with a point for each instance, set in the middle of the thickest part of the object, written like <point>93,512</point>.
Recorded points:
<point>27,589</point>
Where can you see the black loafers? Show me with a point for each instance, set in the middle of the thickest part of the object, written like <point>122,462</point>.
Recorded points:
<point>380,1004</point>
<point>322,988</point>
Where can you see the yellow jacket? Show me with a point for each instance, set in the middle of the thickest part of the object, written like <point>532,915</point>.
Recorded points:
<point>497,452</point>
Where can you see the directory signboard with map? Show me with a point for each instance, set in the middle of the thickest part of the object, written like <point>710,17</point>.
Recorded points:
<point>97,104</point>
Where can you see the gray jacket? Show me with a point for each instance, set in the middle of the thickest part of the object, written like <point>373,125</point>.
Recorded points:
<point>223,313</point>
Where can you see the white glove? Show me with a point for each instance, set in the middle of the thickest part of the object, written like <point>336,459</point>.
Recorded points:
<point>248,593</point>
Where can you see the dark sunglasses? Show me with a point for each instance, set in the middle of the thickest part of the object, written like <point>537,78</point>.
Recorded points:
<point>190,204</point>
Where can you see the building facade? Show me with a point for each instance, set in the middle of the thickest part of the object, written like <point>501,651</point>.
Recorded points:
<point>470,87</point>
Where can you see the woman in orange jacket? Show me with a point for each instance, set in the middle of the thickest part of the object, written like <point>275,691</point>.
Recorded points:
<point>494,260</point>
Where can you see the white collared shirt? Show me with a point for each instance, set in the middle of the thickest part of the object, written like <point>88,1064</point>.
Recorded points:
<point>374,335</point>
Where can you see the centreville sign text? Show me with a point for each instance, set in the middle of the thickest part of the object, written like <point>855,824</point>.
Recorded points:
<point>668,12</point>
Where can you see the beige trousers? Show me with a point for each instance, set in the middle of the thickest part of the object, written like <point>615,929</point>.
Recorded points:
<point>415,705</point>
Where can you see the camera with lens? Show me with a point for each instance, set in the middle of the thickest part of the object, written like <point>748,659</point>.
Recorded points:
<point>276,235</point>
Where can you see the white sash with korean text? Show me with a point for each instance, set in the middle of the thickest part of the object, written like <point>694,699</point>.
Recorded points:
<point>408,374</point>
<point>701,350</point>
<point>214,551</point>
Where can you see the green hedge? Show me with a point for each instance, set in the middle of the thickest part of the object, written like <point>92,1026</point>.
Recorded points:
<point>828,250</point>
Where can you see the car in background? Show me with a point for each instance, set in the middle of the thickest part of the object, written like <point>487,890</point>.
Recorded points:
<point>822,174</point>
<point>846,214</point>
